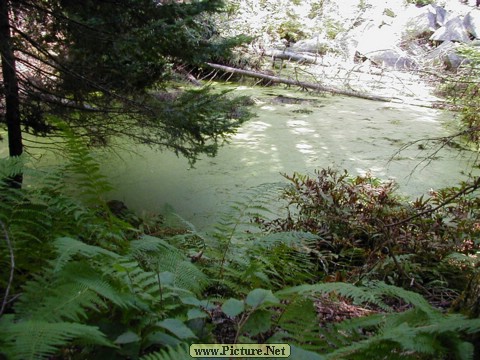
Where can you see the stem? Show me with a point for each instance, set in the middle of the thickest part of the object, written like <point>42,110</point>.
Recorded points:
<point>160,288</point>
<point>12,269</point>
<point>467,190</point>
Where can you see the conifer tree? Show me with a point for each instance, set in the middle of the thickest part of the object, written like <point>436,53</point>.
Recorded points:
<point>102,67</point>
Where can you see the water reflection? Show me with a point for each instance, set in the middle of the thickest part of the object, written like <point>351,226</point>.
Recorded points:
<point>358,135</point>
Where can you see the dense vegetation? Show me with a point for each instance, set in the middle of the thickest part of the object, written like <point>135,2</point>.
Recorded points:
<point>352,271</point>
<point>348,270</point>
<point>103,69</point>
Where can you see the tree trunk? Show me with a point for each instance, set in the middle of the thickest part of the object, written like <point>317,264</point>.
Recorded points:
<point>304,85</point>
<point>10,89</point>
<point>325,88</point>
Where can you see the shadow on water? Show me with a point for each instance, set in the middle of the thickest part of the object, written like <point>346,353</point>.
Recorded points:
<point>286,136</point>
<point>307,133</point>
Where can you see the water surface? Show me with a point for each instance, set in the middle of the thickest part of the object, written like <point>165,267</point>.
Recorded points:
<point>345,133</point>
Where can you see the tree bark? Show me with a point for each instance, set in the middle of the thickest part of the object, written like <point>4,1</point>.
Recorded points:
<point>305,85</point>
<point>330,89</point>
<point>290,56</point>
<point>10,89</point>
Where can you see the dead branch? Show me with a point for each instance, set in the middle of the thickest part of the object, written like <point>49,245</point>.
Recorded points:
<point>301,84</point>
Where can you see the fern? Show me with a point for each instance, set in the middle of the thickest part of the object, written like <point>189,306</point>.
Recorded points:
<point>414,338</point>
<point>85,171</point>
<point>67,248</point>
<point>357,294</point>
<point>35,339</point>
<point>181,352</point>
<point>85,280</point>
<point>158,256</point>
<point>419,330</point>
<point>299,324</point>
<point>68,293</point>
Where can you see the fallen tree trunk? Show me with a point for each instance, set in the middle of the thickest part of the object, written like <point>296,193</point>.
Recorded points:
<point>291,56</point>
<point>304,85</point>
<point>324,88</point>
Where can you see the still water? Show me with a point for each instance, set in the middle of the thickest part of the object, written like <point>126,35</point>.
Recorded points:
<point>286,136</point>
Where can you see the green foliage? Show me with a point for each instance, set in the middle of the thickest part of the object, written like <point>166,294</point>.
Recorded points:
<point>94,288</point>
<point>420,2</point>
<point>198,121</point>
<point>421,330</point>
<point>139,39</point>
<point>36,339</point>
<point>464,92</point>
<point>101,66</point>
<point>364,229</point>
<point>71,283</point>
<point>180,352</point>
<point>333,28</point>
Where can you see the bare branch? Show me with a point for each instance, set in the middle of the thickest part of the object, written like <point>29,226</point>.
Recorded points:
<point>12,269</point>
<point>465,191</point>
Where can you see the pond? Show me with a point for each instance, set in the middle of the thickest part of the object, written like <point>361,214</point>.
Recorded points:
<point>307,133</point>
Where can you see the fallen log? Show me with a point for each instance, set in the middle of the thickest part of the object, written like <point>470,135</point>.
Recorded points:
<point>291,56</point>
<point>324,88</point>
<point>301,84</point>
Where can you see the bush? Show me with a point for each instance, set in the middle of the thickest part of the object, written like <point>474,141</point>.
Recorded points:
<point>365,229</point>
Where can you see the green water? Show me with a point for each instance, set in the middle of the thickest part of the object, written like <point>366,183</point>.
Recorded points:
<point>346,133</point>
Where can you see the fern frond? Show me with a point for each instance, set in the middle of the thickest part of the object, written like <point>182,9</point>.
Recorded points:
<point>294,239</point>
<point>12,166</point>
<point>357,294</point>
<point>420,330</point>
<point>67,302</point>
<point>84,170</point>
<point>82,273</point>
<point>181,352</point>
<point>255,203</point>
<point>158,256</point>
<point>409,297</point>
<point>453,323</point>
<point>67,294</point>
<point>37,339</point>
<point>68,247</point>
<point>299,320</point>
<point>148,244</point>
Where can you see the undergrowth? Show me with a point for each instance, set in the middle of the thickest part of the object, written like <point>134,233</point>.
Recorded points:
<point>87,284</point>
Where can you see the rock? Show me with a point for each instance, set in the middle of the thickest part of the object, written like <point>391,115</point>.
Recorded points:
<point>117,207</point>
<point>314,45</point>
<point>453,60</point>
<point>392,59</point>
<point>472,23</point>
<point>446,55</point>
<point>441,15</point>
<point>424,22</point>
<point>453,30</point>
<point>415,49</point>
<point>121,211</point>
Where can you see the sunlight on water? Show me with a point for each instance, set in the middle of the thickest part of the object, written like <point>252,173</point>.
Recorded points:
<point>347,133</point>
